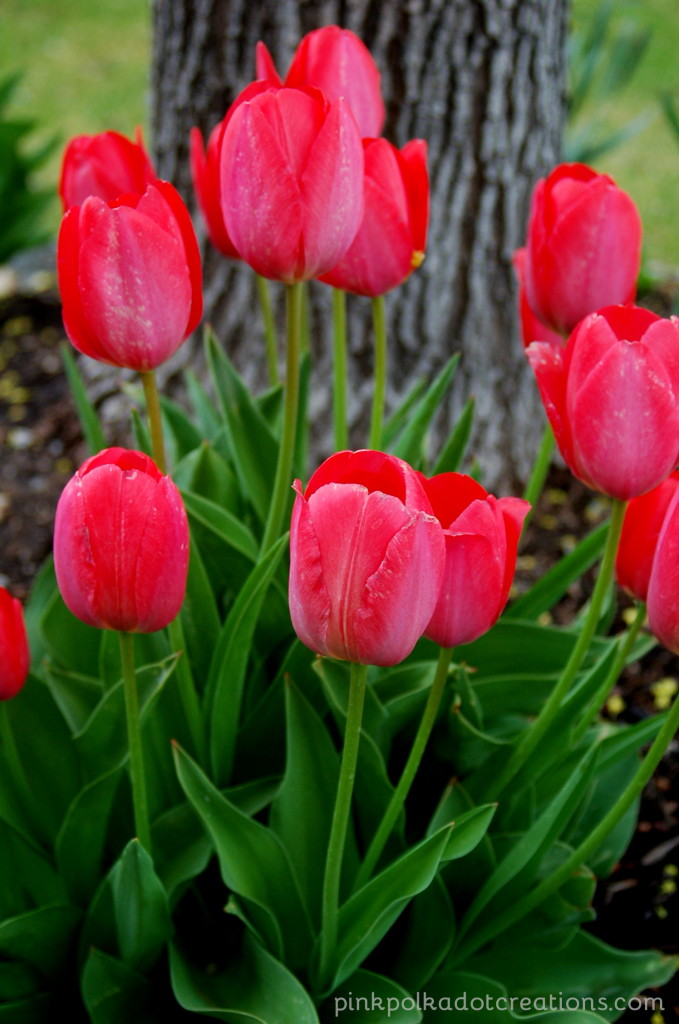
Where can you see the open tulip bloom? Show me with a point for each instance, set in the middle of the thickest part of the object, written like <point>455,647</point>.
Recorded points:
<point>386,762</point>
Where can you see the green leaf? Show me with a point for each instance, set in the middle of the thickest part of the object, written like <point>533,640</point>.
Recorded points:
<point>75,695</point>
<point>453,451</point>
<point>409,444</point>
<point>230,660</point>
<point>200,617</point>
<point>428,929</point>
<point>302,812</point>
<point>254,864</point>
<point>81,839</point>
<point>112,992</point>
<point>41,938</point>
<point>87,414</point>
<point>252,446</point>
<point>142,918</point>
<point>222,523</point>
<point>254,988</point>
<point>183,433</point>
<point>70,641</point>
<point>366,997</point>
<point>207,416</point>
<point>400,416</point>
<point>480,998</point>
<point>468,831</point>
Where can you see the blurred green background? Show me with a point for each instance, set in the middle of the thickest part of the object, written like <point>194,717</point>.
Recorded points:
<point>85,69</point>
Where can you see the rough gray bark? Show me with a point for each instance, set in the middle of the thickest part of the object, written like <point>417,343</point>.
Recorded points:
<point>483,81</point>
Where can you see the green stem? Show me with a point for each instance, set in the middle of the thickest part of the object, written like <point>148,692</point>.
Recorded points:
<point>304,336</point>
<point>379,325</point>
<point>148,379</point>
<point>282,482</point>
<point>339,335</point>
<point>624,648</point>
<point>400,794</point>
<point>549,885</point>
<point>540,469</point>
<point>270,339</point>
<point>139,798</point>
<point>534,734</point>
<point>340,820</point>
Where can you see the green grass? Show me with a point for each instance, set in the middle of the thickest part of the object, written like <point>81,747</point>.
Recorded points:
<point>85,69</point>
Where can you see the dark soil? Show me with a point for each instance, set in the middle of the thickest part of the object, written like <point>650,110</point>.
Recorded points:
<point>41,444</point>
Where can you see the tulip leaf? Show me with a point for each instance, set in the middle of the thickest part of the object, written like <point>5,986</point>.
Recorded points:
<point>112,992</point>
<point>141,914</point>
<point>469,829</point>
<point>369,914</point>
<point>81,839</point>
<point>140,434</point>
<point>254,864</point>
<point>302,812</point>
<point>41,938</point>
<point>87,414</point>
<point>206,473</point>
<point>75,695</point>
<point>230,660</point>
<point>70,641</point>
<point>207,416</point>
<point>254,988</point>
<point>199,616</point>
<point>252,445</point>
<point>222,523</point>
<point>367,997</point>
<point>428,929</point>
<point>400,416</point>
<point>409,444</point>
<point>453,451</point>
<point>183,432</point>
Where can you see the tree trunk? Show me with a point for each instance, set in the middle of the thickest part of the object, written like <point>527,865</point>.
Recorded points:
<point>483,81</point>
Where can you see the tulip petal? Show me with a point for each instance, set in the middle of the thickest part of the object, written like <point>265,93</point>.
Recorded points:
<point>663,587</point>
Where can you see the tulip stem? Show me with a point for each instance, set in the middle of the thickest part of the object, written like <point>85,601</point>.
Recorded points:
<point>340,820</point>
<point>339,348</point>
<point>148,379</point>
<point>505,919</point>
<point>282,482</point>
<point>532,736</point>
<point>379,325</point>
<point>134,742</point>
<point>400,794</point>
<point>540,470</point>
<point>624,648</point>
<point>269,330</point>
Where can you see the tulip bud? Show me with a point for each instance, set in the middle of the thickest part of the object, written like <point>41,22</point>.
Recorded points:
<point>121,543</point>
<point>643,521</point>
<point>611,395</point>
<point>482,535</point>
<point>391,240</point>
<point>583,247</point>
<point>532,329</point>
<point>130,277</point>
<point>291,182</point>
<point>15,657</point>
<point>663,586</point>
<point>106,165</point>
<point>366,559</point>
<point>336,61</point>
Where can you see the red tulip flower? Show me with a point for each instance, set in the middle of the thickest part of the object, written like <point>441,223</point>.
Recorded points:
<point>482,535</point>
<point>393,234</point>
<point>121,543</point>
<point>336,61</point>
<point>15,657</point>
<point>612,398</point>
<point>663,586</point>
<point>532,329</point>
<point>366,559</point>
<point>106,165</point>
<point>641,528</point>
<point>291,182</point>
<point>130,277</point>
<point>583,248</point>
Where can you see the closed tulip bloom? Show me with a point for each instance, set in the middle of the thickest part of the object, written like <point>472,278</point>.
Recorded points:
<point>611,395</point>
<point>130,277</point>
<point>15,657</point>
<point>641,528</point>
<point>291,182</point>
<point>366,559</point>
<point>393,234</point>
<point>663,587</point>
<point>336,61</point>
<point>105,165</point>
<point>532,329</point>
<point>583,247</point>
<point>121,543</point>
<point>482,535</point>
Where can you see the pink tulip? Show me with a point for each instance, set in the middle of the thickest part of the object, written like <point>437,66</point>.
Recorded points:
<point>336,61</point>
<point>106,165</point>
<point>291,182</point>
<point>121,543</point>
<point>393,234</point>
<point>532,329</point>
<point>15,657</point>
<point>583,248</point>
<point>663,587</point>
<point>612,397</point>
<point>130,277</point>
<point>482,534</point>
<point>643,522</point>
<point>366,559</point>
